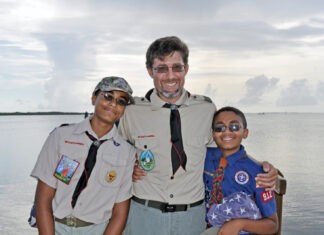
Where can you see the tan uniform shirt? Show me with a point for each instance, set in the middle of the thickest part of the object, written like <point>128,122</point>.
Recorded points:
<point>146,125</point>
<point>110,180</point>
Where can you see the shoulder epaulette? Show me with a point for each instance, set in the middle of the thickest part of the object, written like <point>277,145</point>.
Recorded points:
<point>62,125</point>
<point>201,98</point>
<point>141,101</point>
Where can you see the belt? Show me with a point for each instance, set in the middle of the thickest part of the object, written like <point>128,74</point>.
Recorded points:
<point>73,222</point>
<point>166,207</point>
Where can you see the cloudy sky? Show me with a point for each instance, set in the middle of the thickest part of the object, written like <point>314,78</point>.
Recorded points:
<point>260,56</point>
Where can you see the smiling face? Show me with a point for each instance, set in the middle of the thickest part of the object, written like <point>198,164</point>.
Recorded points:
<point>108,106</point>
<point>229,141</point>
<point>169,85</point>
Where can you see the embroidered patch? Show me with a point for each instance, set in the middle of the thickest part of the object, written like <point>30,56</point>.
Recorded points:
<point>241,177</point>
<point>111,176</point>
<point>267,196</point>
<point>65,169</point>
<point>146,160</point>
<point>116,143</point>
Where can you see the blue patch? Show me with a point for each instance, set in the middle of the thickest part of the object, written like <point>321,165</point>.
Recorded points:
<point>241,177</point>
<point>116,144</point>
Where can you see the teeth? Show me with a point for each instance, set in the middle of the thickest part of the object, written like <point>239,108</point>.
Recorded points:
<point>227,138</point>
<point>171,84</point>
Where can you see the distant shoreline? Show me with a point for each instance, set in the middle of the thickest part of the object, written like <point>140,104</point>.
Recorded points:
<point>40,113</point>
<point>87,113</point>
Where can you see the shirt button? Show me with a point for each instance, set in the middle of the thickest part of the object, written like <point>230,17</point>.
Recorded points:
<point>171,195</point>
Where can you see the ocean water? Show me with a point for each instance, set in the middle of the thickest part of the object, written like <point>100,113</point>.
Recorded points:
<point>292,142</point>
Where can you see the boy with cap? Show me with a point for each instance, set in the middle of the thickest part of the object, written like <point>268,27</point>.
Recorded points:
<point>233,201</point>
<point>84,170</point>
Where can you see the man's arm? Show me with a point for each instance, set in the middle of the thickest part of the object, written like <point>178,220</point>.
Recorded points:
<point>43,205</point>
<point>118,218</point>
<point>267,180</point>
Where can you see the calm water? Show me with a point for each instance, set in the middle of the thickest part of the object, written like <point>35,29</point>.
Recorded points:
<point>292,142</point>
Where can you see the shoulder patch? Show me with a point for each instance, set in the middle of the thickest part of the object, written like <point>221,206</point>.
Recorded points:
<point>201,98</point>
<point>141,101</point>
<point>62,125</point>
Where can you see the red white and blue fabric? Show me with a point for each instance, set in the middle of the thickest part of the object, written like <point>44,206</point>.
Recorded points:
<point>235,206</point>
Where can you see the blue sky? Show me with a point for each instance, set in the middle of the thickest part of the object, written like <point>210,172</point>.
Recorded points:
<point>260,56</point>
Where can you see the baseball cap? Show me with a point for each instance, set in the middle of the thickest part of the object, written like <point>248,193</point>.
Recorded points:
<point>114,84</point>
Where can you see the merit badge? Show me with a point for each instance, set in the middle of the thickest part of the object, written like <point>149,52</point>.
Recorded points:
<point>146,160</point>
<point>241,177</point>
<point>111,176</point>
<point>65,169</point>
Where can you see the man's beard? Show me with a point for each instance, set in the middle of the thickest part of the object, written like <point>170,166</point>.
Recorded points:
<point>169,95</point>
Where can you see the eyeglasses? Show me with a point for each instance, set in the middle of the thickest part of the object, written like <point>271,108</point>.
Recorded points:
<point>109,97</point>
<point>164,69</point>
<point>223,128</point>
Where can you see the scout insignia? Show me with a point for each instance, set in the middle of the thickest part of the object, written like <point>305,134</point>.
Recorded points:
<point>111,176</point>
<point>65,169</point>
<point>241,177</point>
<point>146,160</point>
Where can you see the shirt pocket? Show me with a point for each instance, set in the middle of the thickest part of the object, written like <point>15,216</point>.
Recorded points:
<point>143,144</point>
<point>195,148</point>
<point>159,172</point>
<point>111,173</point>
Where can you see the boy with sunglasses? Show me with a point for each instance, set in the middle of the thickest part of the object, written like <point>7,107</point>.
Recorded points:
<point>84,170</point>
<point>233,201</point>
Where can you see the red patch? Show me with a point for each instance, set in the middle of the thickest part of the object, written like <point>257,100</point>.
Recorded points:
<point>145,136</point>
<point>71,142</point>
<point>267,196</point>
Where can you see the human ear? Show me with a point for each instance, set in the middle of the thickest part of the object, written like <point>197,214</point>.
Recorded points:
<point>186,68</point>
<point>245,133</point>
<point>150,72</point>
<point>93,99</point>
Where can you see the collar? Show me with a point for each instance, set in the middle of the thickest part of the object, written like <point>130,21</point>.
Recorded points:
<point>157,102</point>
<point>232,159</point>
<point>86,126</point>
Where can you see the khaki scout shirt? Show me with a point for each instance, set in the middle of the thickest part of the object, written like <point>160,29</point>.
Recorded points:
<point>110,181</point>
<point>146,125</point>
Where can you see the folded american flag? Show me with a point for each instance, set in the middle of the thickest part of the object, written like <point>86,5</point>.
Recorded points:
<point>235,206</point>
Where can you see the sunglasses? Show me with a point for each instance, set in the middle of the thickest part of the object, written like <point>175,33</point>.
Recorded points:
<point>164,69</point>
<point>109,97</point>
<point>223,128</point>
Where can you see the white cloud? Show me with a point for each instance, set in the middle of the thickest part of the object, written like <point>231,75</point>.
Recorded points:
<point>68,46</point>
<point>298,93</point>
<point>256,88</point>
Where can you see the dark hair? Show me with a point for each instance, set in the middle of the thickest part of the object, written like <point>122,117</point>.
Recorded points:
<point>231,109</point>
<point>166,46</point>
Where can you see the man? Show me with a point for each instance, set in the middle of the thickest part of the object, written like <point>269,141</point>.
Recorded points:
<point>170,129</point>
<point>80,194</point>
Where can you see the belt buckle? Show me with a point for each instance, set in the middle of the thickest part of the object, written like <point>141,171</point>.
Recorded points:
<point>168,208</point>
<point>71,221</point>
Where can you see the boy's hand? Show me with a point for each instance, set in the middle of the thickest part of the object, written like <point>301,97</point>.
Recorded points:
<point>138,173</point>
<point>267,180</point>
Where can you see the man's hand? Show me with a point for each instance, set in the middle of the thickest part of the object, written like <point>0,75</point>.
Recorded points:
<point>267,180</point>
<point>138,173</point>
